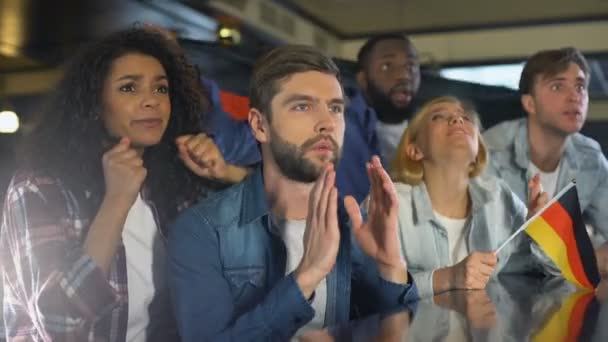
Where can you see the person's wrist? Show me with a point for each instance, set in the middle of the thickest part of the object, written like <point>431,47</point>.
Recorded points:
<point>449,278</point>
<point>306,282</point>
<point>235,173</point>
<point>394,273</point>
<point>452,274</point>
<point>117,202</point>
<point>229,173</point>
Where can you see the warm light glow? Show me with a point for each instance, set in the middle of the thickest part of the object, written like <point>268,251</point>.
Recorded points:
<point>225,33</point>
<point>12,26</point>
<point>9,122</point>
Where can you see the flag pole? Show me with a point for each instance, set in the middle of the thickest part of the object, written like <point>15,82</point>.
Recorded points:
<point>538,213</point>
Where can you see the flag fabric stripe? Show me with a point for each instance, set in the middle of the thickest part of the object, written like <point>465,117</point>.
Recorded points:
<point>557,217</point>
<point>553,245</point>
<point>575,324</point>
<point>590,319</point>
<point>586,251</point>
<point>567,323</point>
<point>556,329</point>
<point>560,231</point>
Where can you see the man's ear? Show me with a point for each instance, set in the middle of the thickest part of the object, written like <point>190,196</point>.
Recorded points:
<point>259,125</point>
<point>527,101</point>
<point>361,80</point>
<point>413,152</point>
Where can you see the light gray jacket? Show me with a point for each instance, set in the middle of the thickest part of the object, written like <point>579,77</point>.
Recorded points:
<point>495,214</point>
<point>583,160</point>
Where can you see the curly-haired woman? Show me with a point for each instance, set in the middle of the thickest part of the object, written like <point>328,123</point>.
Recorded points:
<point>117,153</point>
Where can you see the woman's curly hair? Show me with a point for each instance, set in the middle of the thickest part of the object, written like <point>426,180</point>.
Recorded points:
<point>69,138</point>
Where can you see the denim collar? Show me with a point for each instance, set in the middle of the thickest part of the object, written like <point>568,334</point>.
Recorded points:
<point>522,148</point>
<point>254,203</point>
<point>423,208</point>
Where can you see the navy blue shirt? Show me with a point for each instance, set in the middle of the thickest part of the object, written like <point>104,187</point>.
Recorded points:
<point>233,137</point>
<point>360,144</point>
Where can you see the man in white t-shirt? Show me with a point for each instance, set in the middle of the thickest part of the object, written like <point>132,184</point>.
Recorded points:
<point>553,89</point>
<point>279,252</point>
<point>388,78</point>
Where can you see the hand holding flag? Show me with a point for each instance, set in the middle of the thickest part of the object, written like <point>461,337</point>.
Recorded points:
<point>537,197</point>
<point>558,229</point>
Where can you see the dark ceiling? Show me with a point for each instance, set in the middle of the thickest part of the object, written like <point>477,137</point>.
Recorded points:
<point>39,34</point>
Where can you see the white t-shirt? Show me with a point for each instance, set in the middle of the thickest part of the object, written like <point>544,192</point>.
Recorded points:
<point>389,136</point>
<point>146,265</point>
<point>548,180</point>
<point>292,233</point>
<point>457,244</point>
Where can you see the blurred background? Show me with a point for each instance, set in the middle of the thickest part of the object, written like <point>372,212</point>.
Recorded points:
<point>469,48</point>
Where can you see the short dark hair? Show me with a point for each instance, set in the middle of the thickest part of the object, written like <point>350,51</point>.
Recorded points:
<point>549,63</point>
<point>368,47</point>
<point>279,64</point>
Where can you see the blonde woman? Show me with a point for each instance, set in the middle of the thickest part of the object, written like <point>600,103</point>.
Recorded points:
<point>451,219</point>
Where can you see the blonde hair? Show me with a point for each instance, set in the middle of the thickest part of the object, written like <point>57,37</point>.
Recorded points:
<point>409,171</point>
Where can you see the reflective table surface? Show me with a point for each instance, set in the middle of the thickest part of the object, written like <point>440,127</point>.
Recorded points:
<point>509,309</point>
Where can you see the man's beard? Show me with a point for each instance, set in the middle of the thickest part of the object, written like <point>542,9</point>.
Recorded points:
<point>291,160</point>
<point>384,107</point>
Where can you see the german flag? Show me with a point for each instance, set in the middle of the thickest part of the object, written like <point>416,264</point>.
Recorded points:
<point>574,320</point>
<point>560,231</point>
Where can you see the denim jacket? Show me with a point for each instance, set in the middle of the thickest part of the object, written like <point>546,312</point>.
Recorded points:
<point>227,273</point>
<point>583,160</point>
<point>495,214</point>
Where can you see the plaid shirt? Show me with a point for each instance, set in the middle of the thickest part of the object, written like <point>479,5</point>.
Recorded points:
<point>53,291</point>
